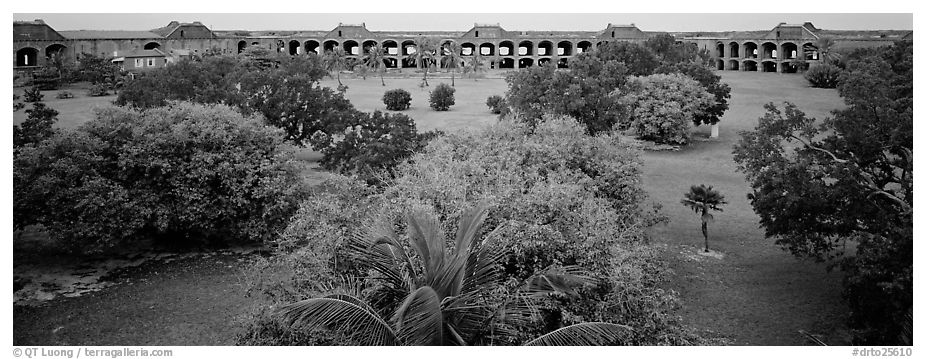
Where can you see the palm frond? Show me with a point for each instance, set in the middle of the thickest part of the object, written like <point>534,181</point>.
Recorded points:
<point>563,280</point>
<point>376,247</point>
<point>349,317</point>
<point>419,320</point>
<point>592,333</point>
<point>424,232</point>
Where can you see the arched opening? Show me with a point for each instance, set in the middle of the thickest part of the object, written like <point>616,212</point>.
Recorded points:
<point>408,48</point>
<point>506,48</point>
<point>487,49</point>
<point>526,48</point>
<point>583,46</point>
<point>752,50</point>
<point>351,47</point>
<point>564,48</point>
<point>408,62</point>
<point>367,45</point>
<point>750,66</point>
<point>719,48</point>
<point>789,51</point>
<point>55,51</point>
<point>506,63</point>
<point>769,51</point>
<point>152,45</point>
<point>545,48</point>
<point>810,51</point>
<point>281,46</point>
<point>391,47</point>
<point>330,45</point>
<point>733,65</point>
<point>600,44</point>
<point>294,47</point>
<point>524,63</point>
<point>311,46</point>
<point>769,66</point>
<point>242,45</point>
<point>720,64</point>
<point>27,56</point>
<point>391,62</point>
<point>563,63</point>
<point>467,49</point>
<point>543,61</point>
<point>734,49</point>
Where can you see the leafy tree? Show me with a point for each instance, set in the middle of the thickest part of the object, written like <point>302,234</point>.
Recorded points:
<point>397,100</point>
<point>819,185</point>
<point>662,106</point>
<point>702,199</point>
<point>450,58</point>
<point>425,55</point>
<point>671,52</point>
<point>638,59</point>
<point>336,60</point>
<point>583,93</point>
<point>373,60</point>
<point>450,298</point>
<point>37,126</point>
<point>711,83</point>
<point>97,70</point>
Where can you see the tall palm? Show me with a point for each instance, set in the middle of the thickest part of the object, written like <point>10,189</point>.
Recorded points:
<point>701,199</point>
<point>446,296</point>
<point>475,63</point>
<point>336,60</point>
<point>450,58</point>
<point>826,47</point>
<point>373,60</point>
<point>425,54</point>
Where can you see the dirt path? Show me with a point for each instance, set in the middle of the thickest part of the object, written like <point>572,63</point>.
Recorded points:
<point>757,294</point>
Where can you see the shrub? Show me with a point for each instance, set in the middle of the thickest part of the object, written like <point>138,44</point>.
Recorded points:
<point>498,105</point>
<point>65,95</point>
<point>33,94</point>
<point>184,174</point>
<point>442,97</point>
<point>99,89</point>
<point>369,144</point>
<point>662,106</point>
<point>397,100</point>
<point>823,76</point>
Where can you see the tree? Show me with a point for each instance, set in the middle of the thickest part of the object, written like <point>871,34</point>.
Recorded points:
<point>639,59</point>
<point>671,52</point>
<point>701,199</point>
<point>711,83</point>
<point>425,55</point>
<point>662,106</point>
<point>37,126</point>
<point>447,299</point>
<point>373,60</point>
<point>826,46</point>
<point>450,58</point>
<point>336,60</point>
<point>816,186</point>
<point>97,70</point>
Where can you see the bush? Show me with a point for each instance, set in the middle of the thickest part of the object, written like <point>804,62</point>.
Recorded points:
<point>65,95</point>
<point>823,76</point>
<point>98,90</point>
<point>498,105</point>
<point>37,126</point>
<point>183,175</point>
<point>397,100</point>
<point>442,97</point>
<point>662,106</point>
<point>33,94</point>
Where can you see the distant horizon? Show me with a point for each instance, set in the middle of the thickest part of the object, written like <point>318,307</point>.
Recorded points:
<point>461,21</point>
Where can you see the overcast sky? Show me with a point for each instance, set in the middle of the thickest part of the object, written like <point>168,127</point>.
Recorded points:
<point>463,21</point>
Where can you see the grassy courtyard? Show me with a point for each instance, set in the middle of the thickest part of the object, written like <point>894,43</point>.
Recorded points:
<point>749,292</point>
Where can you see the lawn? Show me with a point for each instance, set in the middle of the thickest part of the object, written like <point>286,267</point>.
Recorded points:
<point>750,292</point>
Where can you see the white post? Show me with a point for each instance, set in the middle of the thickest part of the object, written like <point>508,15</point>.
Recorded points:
<point>715,130</point>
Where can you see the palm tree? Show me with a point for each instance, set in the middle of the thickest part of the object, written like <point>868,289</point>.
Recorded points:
<point>336,60</point>
<point>826,45</point>
<point>475,63</point>
<point>450,58</point>
<point>444,297</point>
<point>374,61</point>
<point>701,199</point>
<point>424,55</point>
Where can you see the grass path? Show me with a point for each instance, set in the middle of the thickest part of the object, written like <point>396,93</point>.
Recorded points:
<point>757,294</point>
